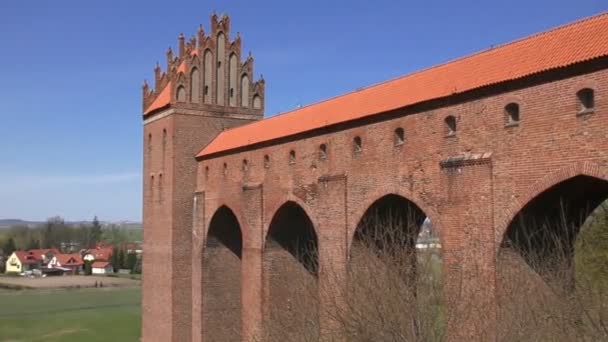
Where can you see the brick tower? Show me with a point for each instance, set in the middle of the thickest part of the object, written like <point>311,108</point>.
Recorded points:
<point>206,88</point>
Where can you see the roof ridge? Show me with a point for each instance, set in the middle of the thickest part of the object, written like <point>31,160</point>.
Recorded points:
<point>435,66</point>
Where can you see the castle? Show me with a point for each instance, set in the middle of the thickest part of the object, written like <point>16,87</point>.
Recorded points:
<point>229,197</point>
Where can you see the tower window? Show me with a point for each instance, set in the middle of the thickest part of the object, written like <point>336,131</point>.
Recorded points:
<point>266,161</point>
<point>323,151</point>
<point>450,125</point>
<point>357,145</point>
<point>225,169</point>
<point>206,90</point>
<point>586,100</point>
<point>399,136</point>
<point>245,165</point>
<point>206,172</point>
<point>231,92</point>
<point>512,113</point>
<point>292,157</point>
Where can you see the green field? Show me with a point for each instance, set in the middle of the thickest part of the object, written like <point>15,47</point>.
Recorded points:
<point>70,315</point>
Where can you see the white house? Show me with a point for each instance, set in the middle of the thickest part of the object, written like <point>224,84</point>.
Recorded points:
<point>102,267</point>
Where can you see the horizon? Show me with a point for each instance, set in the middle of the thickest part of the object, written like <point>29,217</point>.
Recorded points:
<point>73,135</point>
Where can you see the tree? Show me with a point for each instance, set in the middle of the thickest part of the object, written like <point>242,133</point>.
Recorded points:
<point>137,268</point>
<point>33,243</point>
<point>53,232</point>
<point>9,246</point>
<point>95,233</point>
<point>131,261</point>
<point>88,267</point>
<point>115,259</point>
<point>121,259</point>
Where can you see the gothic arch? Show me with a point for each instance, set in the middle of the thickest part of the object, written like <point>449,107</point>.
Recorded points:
<point>233,86</point>
<point>548,181</point>
<point>380,192</point>
<point>290,272</point>
<point>245,90</point>
<point>180,94</point>
<point>273,208</point>
<point>386,271</point>
<point>207,76</point>
<point>195,85</point>
<point>221,267</point>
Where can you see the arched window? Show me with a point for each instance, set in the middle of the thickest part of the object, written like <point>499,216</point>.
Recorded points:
<point>245,165</point>
<point>292,157</point>
<point>266,161</point>
<point>512,113</point>
<point>195,85</point>
<point>322,151</point>
<point>245,91</point>
<point>357,145</point>
<point>208,76</point>
<point>181,94</point>
<point>399,136</point>
<point>450,125</point>
<point>257,102</point>
<point>586,100</point>
<point>225,169</point>
<point>206,172</point>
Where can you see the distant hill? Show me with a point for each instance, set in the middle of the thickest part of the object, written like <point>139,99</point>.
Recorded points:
<point>7,223</point>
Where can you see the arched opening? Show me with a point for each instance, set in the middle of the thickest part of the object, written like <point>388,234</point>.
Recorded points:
<point>222,278</point>
<point>450,125</point>
<point>290,271</point>
<point>292,157</point>
<point>394,270</point>
<point>399,137</point>
<point>357,145</point>
<point>512,113</point>
<point>266,161</point>
<point>586,100</point>
<point>323,151</point>
<point>552,263</point>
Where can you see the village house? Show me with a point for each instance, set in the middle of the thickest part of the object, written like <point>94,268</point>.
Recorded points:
<point>44,255</point>
<point>98,254</point>
<point>68,263</point>
<point>102,267</point>
<point>21,261</point>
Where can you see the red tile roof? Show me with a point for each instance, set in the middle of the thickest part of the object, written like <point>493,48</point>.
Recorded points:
<point>69,259</point>
<point>100,264</point>
<point>38,253</point>
<point>26,258</point>
<point>563,46</point>
<point>163,99</point>
<point>101,253</point>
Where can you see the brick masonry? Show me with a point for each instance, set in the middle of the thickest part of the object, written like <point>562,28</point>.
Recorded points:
<point>471,184</point>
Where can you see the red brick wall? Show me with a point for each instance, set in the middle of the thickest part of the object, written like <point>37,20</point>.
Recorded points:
<point>471,201</point>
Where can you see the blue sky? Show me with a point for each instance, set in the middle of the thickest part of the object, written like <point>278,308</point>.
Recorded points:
<point>71,71</point>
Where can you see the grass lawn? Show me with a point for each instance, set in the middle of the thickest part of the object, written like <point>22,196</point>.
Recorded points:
<point>97,314</point>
